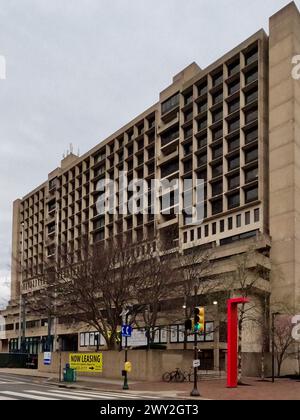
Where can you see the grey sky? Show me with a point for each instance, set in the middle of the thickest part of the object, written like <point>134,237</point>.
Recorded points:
<point>77,70</point>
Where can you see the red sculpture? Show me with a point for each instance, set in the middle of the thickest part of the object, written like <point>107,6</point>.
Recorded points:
<point>232,356</point>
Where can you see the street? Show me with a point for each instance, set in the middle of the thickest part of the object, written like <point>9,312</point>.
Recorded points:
<point>14,387</point>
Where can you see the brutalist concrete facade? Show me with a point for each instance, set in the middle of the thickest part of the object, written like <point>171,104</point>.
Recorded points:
<point>234,124</point>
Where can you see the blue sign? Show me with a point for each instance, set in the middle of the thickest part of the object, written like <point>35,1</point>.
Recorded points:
<point>126,331</point>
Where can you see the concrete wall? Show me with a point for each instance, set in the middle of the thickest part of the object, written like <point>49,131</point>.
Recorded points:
<point>146,366</point>
<point>150,366</point>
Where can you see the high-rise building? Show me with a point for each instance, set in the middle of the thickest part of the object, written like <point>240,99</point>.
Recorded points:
<point>235,125</point>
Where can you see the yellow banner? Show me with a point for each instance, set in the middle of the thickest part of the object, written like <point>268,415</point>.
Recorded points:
<point>86,362</point>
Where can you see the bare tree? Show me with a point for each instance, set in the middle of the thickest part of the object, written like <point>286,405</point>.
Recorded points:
<point>283,340</point>
<point>157,280</point>
<point>194,272</point>
<point>93,285</point>
<point>245,278</point>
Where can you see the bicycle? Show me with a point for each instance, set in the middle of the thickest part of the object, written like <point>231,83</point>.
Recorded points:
<point>175,376</point>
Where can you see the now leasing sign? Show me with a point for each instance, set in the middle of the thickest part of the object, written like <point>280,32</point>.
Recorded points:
<point>86,362</point>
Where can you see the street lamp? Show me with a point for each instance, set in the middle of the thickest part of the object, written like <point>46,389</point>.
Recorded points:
<point>273,344</point>
<point>22,309</point>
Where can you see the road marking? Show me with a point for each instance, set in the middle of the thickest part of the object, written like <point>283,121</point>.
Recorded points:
<point>57,394</point>
<point>24,395</point>
<point>11,383</point>
<point>109,395</point>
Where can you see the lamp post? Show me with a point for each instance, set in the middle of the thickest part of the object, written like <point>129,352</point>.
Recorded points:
<point>22,309</point>
<point>273,344</point>
<point>195,392</point>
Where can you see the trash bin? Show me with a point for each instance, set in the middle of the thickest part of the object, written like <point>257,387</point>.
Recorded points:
<point>69,374</point>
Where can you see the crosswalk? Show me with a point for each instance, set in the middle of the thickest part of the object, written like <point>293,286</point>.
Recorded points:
<point>59,394</point>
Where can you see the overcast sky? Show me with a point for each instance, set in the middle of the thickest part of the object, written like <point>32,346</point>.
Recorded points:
<point>77,70</point>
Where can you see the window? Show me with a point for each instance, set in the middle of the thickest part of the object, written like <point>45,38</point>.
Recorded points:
<point>251,175</point>
<point>233,124</point>
<point>199,233</point>
<point>217,133</point>
<point>247,218</point>
<point>230,223</point>
<point>99,223</point>
<point>185,237</point>
<point>217,115</point>
<point>238,220</point>
<point>251,155</point>
<point>251,76</point>
<point>202,124</point>
<point>192,235</point>
<point>202,159</point>
<point>51,206</point>
<point>187,149</point>
<point>169,169</point>
<point>233,105</point>
<point>202,88</point>
<point>217,151</point>
<point>233,67</point>
<point>217,97</point>
<point>233,201</point>
<point>251,56</point>
<point>202,175</point>
<point>217,206</point>
<point>240,237</point>
<point>251,135</point>
<point>202,107</point>
<point>130,151</point>
<point>188,98</point>
<point>188,166</point>
<point>53,183</point>
<point>169,136</point>
<point>251,96</point>
<point>170,104</point>
<point>251,115</point>
<point>233,87</point>
<point>233,163</point>
<point>233,182</point>
<point>233,143</point>
<point>206,229</point>
<point>251,194</point>
<point>188,132</point>
<point>214,228</point>
<point>202,141</point>
<point>217,78</point>
<point>217,188</point>
<point>217,170</point>
<point>188,116</point>
<point>256,215</point>
<point>222,226</point>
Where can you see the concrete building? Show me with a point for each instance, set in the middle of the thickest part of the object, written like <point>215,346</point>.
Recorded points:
<point>234,124</point>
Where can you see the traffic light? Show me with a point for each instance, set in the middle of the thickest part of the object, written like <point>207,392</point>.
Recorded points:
<point>199,319</point>
<point>188,325</point>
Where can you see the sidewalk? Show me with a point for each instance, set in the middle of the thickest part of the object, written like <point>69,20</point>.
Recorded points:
<point>254,389</point>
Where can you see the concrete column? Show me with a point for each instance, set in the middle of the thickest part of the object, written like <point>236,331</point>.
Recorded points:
<point>284,154</point>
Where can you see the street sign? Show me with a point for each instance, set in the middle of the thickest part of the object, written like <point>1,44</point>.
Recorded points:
<point>47,358</point>
<point>86,362</point>
<point>126,331</point>
<point>196,363</point>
